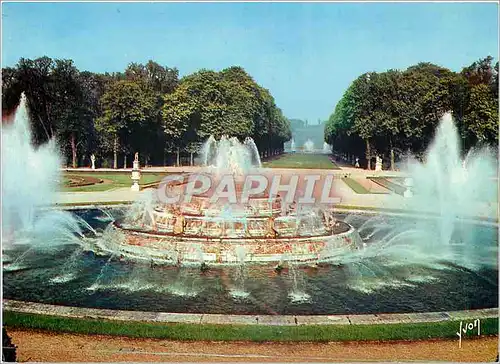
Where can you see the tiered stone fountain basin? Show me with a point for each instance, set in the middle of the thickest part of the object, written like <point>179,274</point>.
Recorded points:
<point>262,230</point>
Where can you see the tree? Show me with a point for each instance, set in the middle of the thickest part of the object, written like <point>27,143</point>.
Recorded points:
<point>11,89</point>
<point>223,103</point>
<point>160,79</point>
<point>393,110</point>
<point>126,107</point>
<point>480,103</point>
<point>360,104</point>
<point>71,108</point>
<point>480,122</point>
<point>34,77</point>
<point>146,108</point>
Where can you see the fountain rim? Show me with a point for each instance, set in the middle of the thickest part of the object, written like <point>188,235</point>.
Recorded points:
<point>31,307</point>
<point>340,208</point>
<point>118,225</point>
<point>64,311</point>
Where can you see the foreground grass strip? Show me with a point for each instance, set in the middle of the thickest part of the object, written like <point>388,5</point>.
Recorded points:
<point>174,331</point>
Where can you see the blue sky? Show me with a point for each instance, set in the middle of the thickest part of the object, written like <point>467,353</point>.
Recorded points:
<point>306,54</point>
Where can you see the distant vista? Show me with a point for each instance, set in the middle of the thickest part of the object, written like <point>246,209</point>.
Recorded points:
<point>302,131</point>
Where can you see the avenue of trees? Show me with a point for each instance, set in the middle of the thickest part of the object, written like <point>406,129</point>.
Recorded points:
<point>145,109</point>
<point>396,112</point>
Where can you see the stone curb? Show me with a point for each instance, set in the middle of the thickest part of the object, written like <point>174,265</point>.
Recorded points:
<point>268,320</point>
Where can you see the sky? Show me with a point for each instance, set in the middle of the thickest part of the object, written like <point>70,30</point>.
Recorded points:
<point>306,54</point>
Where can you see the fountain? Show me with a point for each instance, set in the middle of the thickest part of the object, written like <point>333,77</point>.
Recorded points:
<point>293,148</point>
<point>261,256</point>
<point>229,155</point>
<point>30,179</point>
<point>220,230</point>
<point>327,148</point>
<point>452,187</point>
<point>449,183</point>
<point>308,146</point>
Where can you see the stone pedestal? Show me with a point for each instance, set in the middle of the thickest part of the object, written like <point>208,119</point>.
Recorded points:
<point>136,174</point>
<point>378,164</point>
<point>409,185</point>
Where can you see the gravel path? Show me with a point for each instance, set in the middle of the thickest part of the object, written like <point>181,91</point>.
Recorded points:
<point>59,347</point>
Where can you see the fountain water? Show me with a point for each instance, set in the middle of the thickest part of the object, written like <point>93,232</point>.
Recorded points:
<point>260,223</point>
<point>450,186</point>
<point>398,252</point>
<point>98,283</point>
<point>240,275</point>
<point>229,154</point>
<point>293,148</point>
<point>309,146</point>
<point>69,269</point>
<point>254,152</point>
<point>327,148</point>
<point>30,180</point>
<point>297,292</point>
<point>208,150</point>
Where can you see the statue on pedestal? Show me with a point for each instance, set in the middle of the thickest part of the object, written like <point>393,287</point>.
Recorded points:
<point>136,173</point>
<point>92,159</point>
<point>356,165</point>
<point>378,163</point>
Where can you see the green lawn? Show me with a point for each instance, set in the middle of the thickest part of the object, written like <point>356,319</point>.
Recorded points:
<point>355,186</point>
<point>110,180</point>
<point>394,187</point>
<point>177,331</point>
<point>301,160</point>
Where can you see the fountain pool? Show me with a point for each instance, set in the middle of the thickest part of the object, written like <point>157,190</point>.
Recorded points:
<point>365,282</point>
<point>408,263</point>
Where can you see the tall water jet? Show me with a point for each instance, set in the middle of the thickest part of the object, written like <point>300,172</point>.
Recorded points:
<point>293,148</point>
<point>228,154</point>
<point>30,180</point>
<point>309,146</point>
<point>327,148</point>
<point>208,150</point>
<point>451,186</point>
<point>254,152</point>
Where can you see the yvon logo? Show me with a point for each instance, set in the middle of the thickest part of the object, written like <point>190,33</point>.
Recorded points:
<point>468,327</point>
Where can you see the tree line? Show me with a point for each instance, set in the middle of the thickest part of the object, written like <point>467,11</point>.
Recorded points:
<point>396,112</point>
<point>146,109</point>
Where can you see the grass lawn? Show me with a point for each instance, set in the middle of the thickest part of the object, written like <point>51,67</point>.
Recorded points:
<point>177,331</point>
<point>384,182</point>
<point>355,186</point>
<point>358,187</point>
<point>299,160</point>
<point>110,180</point>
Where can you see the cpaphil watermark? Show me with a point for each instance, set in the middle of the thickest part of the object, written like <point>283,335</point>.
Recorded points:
<point>304,189</point>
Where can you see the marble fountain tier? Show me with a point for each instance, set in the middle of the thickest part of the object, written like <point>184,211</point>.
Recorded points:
<point>204,230</point>
<point>260,231</point>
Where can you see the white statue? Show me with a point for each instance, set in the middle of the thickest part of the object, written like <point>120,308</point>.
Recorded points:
<point>356,165</point>
<point>92,159</point>
<point>378,163</point>
<point>136,174</point>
